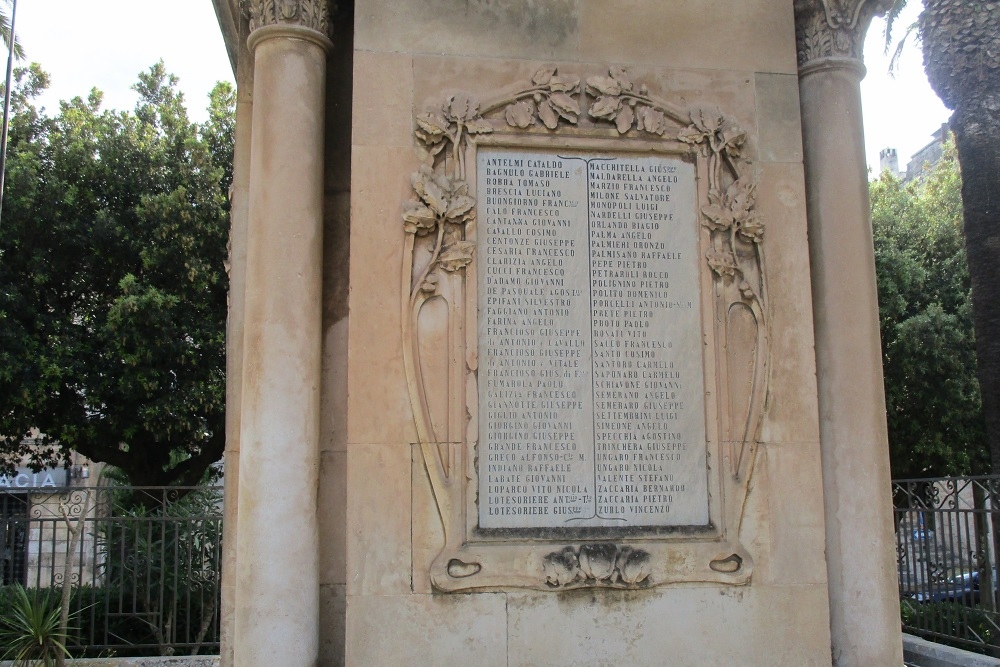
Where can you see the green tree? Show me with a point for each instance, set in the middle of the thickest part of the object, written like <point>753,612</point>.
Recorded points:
<point>112,281</point>
<point>928,345</point>
<point>961,49</point>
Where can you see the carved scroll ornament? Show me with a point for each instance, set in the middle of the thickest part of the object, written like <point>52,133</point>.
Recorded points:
<point>439,257</point>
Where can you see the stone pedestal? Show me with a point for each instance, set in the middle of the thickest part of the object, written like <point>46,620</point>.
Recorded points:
<point>743,487</point>
<point>861,565</point>
<point>277,598</point>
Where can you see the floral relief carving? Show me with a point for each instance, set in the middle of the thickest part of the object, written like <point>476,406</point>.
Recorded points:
<point>313,14</point>
<point>606,565</point>
<point>439,222</point>
<point>731,212</point>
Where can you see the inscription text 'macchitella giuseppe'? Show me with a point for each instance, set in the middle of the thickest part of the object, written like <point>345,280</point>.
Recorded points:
<point>591,397</point>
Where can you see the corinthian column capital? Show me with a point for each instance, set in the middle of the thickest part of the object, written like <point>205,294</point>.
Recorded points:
<point>833,28</point>
<point>312,14</point>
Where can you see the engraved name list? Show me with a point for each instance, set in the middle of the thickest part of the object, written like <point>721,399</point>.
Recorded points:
<point>591,399</point>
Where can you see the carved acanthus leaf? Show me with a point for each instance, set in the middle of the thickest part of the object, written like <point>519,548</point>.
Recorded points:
<point>833,28</point>
<point>313,14</point>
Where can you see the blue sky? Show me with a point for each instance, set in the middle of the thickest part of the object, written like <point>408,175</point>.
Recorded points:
<point>105,43</point>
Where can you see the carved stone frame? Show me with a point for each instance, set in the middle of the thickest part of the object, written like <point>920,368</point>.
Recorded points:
<point>441,219</point>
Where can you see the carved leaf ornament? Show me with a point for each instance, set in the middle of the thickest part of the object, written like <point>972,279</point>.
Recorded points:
<point>437,254</point>
<point>605,565</point>
<point>313,14</point>
<point>833,28</point>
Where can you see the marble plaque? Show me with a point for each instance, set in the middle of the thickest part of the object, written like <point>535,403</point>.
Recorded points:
<point>591,388</point>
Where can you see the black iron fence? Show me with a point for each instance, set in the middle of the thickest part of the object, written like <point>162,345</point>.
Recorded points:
<point>143,564</point>
<point>947,532</point>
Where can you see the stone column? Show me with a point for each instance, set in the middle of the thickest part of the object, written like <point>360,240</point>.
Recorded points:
<point>860,546</point>
<point>239,200</point>
<point>277,594</point>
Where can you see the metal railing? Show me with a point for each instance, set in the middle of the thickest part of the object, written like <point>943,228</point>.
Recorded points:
<point>143,563</point>
<point>946,550</point>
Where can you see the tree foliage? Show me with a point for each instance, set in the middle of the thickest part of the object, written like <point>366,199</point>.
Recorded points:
<point>112,281</point>
<point>961,48</point>
<point>925,309</point>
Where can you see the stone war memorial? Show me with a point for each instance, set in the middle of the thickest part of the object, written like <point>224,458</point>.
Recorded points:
<point>553,337</point>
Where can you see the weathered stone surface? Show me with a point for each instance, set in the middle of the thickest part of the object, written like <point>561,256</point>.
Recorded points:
<point>415,566</point>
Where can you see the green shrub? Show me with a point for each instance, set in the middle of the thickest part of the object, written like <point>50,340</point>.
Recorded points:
<point>29,628</point>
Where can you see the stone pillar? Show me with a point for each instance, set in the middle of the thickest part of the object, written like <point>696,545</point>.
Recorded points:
<point>861,564</point>
<point>277,595</point>
<point>239,200</point>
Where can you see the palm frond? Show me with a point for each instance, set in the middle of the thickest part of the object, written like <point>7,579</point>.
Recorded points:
<point>5,35</point>
<point>891,15</point>
<point>894,61</point>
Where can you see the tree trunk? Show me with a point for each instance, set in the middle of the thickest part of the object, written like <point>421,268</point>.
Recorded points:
<point>961,45</point>
<point>977,136</point>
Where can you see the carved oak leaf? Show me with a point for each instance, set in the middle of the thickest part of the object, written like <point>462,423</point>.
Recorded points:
<point>461,108</point>
<point>548,115</point>
<point>456,255</point>
<point>478,126</point>
<point>561,567</point>
<point>621,76</point>
<point>544,75</point>
<point>597,561</point>
<point>460,207</point>
<point>633,565</point>
<point>731,137</point>
<point>435,193</point>
<point>723,263</point>
<point>603,85</point>
<point>520,114</point>
<point>567,107</point>
<point>624,119</point>
<point>752,228</point>
<point>740,198</point>
<point>419,178</point>
<point>691,135</point>
<point>446,197</point>
<point>432,124</point>
<point>417,218</point>
<point>605,107</point>
<point>718,217</point>
<point>563,84</point>
<point>651,120</point>
<point>706,119</point>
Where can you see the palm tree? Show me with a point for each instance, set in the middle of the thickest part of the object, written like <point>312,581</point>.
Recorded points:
<point>5,32</point>
<point>961,49</point>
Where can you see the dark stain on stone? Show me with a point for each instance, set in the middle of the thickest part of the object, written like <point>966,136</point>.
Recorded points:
<point>546,21</point>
